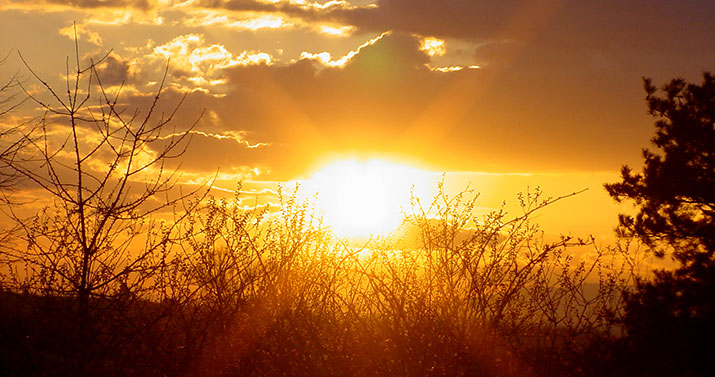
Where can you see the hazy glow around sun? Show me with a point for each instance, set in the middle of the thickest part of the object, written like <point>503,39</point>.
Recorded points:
<point>365,198</point>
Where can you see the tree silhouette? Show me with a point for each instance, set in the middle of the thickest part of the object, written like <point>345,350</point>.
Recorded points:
<point>8,96</point>
<point>98,241</point>
<point>675,192</point>
<point>670,320</point>
<point>10,144</point>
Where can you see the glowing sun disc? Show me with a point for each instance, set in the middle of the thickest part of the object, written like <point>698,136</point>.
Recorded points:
<point>360,199</point>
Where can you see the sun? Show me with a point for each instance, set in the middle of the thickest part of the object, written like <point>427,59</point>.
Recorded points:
<point>365,198</point>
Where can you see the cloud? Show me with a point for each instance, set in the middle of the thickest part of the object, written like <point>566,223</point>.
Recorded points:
<point>124,16</point>
<point>322,17</point>
<point>453,68</point>
<point>135,4</point>
<point>224,153</point>
<point>548,23</point>
<point>235,136</point>
<point>244,21</point>
<point>305,9</point>
<point>189,53</point>
<point>456,18</point>
<point>525,109</point>
<point>115,70</point>
<point>433,46</point>
<point>444,62</point>
<point>81,32</point>
<point>338,31</point>
<point>198,66</point>
<point>558,84</point>
<point>325,59</point>
<point>305,110</point>
<point>258,18</point>
<point>142,5</point>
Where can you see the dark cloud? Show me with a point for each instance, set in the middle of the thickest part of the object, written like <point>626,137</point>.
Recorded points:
<point>481,20</point>
<point>671,32</point>
<point>384,101</point>
<point>335,12</point>
<point>560,86</point>
<point>245,5</point>
<point>113,71</point>
<point>91,4</point>
<point>533,106</point>
<point>639,24</point>
<point>457,18</point>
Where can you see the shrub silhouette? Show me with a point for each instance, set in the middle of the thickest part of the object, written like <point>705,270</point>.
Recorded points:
<point>279,295</point>
<point>248,292</point>
<point>97,284</point>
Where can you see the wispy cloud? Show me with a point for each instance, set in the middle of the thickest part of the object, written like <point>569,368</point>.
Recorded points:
<point>325,58</point>
<point>238,137</point>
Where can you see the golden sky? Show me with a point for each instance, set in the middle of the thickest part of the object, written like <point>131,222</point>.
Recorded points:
<point>503,94</point>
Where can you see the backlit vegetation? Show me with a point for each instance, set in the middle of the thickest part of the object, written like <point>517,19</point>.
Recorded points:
<point>122,273</point>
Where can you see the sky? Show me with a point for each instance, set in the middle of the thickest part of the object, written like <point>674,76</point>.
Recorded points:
<point>501,95</point>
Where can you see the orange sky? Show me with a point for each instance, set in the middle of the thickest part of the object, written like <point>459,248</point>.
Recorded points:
<point>548,89</point>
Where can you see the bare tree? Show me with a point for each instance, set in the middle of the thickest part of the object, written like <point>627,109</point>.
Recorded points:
<point>8,96</point>
<point>9,143</point>
<point>102,173</point>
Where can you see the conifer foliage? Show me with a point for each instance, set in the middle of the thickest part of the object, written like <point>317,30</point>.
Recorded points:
<point>669,319</point>
<point>675,192</point>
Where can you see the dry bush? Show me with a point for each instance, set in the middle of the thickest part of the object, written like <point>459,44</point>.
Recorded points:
<point>279,295</point>
<point>224,290</point>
